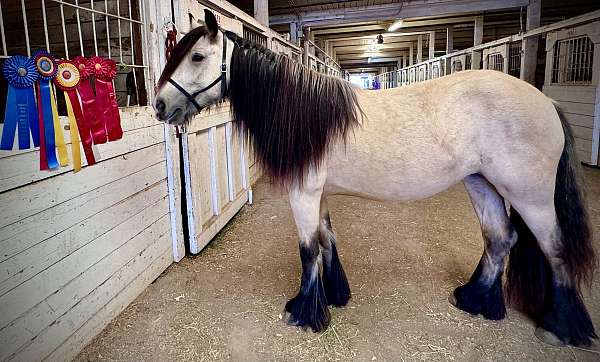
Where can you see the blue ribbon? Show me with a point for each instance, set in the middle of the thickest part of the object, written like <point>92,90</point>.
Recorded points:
<point>21,73</point>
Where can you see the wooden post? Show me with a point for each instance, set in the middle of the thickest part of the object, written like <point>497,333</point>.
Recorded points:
<point>449,39</point>
<point>294,32</point>
<point>419,49</point>
<point>431,45</point>
<point>410,54</point>
<point>306,47</point>
<point>261,11</point>
<point>529,46</point>
<point>477,40</point>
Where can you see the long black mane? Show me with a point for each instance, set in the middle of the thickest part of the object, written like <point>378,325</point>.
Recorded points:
<point>293,114</point>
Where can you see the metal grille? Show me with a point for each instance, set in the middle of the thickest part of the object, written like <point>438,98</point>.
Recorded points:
<point>572,61</point>
<point>109,28</point>
<point>496,62</point>
<point>254,36</point>
<point>514,59</point>
<point>435,71</point>
<point>456,66</point>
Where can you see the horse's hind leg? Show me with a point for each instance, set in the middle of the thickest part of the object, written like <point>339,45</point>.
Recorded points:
<point>308,309</point>
<point>483,293</point>
<point>336,285</point>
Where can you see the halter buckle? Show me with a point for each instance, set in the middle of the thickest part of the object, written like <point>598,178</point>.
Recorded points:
<point>223,67</point>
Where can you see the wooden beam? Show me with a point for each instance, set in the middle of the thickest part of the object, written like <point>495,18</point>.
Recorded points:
<point>261,11</point>
<point>395,11</point>
<point>477,40</point>
<point>529,46</point>
<point>419,49</point>
<point>431,44</point>
<point>449,39</point>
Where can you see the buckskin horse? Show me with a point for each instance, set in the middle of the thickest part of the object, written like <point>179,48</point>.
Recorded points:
<point>317,136</point>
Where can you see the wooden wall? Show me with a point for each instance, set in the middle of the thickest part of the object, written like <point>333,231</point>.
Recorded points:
<point>580,102</point>
<point>77,248</point>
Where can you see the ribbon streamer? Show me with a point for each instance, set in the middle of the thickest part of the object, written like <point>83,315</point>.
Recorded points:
<point>67,79</point>
<point>61,147</point>
<point>88,101</point>
<point>46,67</point>
<point>20,111</point>
<point>105,71</point>
<point>75,142</point>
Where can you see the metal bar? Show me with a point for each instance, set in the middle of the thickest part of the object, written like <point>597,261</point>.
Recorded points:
<point>45,25</point>
<point>94,27</point>
<point>119,30</point>
<point>107,27</point>
<point>212,155</point>
<point>229,152</point>
<point>131,34</point>
<point>26,28</point>
<point>62,19</point>
<point>79,28</point>
<point>105,12</point>
<point>2,30</point>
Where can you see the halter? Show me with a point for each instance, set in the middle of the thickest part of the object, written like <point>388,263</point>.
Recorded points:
<point>222,78</point>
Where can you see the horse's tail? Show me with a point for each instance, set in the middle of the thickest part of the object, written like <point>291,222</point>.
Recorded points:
<point>529,275</point>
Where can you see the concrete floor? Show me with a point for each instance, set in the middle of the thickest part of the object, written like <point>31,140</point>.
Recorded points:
<point>402,261</point>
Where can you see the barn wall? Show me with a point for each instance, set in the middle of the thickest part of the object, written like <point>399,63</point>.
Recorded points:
<point>77,248</point>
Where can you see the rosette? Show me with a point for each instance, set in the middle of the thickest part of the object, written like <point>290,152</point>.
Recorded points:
<point>88,100</point>
<point>21,74</point>
<point>105,70</point>
<point>68,79</point>
<point>51,138</point>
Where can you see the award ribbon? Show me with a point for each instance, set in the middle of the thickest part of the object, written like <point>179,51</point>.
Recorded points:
<point>88,101</point>
<point>75,142</point>
<point>21,74</point>
<point>67,79</point>
<point>46,67</point>
<point>105,71</point>
<point>61,146</point>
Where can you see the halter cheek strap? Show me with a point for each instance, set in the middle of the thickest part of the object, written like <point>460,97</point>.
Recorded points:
<point>221,79</point>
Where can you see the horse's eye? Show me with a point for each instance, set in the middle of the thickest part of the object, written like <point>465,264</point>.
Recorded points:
<point>197,58</point>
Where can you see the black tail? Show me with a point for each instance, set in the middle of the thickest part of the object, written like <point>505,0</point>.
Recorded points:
<point>530,284</point>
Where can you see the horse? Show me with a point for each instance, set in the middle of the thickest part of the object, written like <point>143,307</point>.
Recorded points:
<point>317,136</point>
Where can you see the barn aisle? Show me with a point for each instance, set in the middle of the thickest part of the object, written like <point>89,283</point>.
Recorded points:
<point>402,261</point>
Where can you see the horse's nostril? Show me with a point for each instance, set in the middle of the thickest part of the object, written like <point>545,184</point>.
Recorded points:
<point>160,106</point>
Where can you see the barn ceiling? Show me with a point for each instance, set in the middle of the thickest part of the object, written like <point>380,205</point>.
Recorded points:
<point>349,27</point>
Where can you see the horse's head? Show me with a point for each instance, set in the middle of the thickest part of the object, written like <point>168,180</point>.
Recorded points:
<point>195,76</point>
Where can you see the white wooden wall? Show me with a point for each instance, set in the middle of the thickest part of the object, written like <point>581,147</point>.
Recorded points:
<point>580,103</point>
<point>77,248</point>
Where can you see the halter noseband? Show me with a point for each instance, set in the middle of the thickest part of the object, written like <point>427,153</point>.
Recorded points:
<point>222,79</point>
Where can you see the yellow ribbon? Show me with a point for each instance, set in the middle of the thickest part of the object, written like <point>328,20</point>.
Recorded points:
<point>61,147</point>
<point>75,142</point>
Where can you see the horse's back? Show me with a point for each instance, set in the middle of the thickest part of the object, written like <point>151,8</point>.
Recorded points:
<point>427,136</point>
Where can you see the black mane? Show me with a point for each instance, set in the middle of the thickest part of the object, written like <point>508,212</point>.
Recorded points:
<point>293,114</point>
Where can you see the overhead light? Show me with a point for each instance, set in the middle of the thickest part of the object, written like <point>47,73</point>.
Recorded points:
<point>379,39</point>
<point>396,25</point>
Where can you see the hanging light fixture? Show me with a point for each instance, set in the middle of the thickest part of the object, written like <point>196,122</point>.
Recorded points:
<point>396,25</point>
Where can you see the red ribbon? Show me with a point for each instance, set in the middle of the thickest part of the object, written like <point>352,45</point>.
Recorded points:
<point>67,79</point>
<point>170,42</point>
<point>105,71</point>
<point>88,101</point>
<point>82,124</point>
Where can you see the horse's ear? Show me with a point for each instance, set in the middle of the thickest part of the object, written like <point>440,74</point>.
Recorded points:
<point>211,23</point>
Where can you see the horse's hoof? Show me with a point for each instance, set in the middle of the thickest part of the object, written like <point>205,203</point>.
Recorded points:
<point>548,337</point>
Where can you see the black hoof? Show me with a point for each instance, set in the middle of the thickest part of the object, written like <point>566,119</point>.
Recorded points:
<point>309,310</point>
<point>566,320</point>
<point>336,285</point>
<point>475,298</point>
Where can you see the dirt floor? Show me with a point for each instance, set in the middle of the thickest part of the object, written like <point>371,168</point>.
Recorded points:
<point>402,261</point>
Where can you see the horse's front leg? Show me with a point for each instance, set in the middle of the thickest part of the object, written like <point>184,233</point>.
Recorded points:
<point>337,289</point>
<point>308,309</point>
